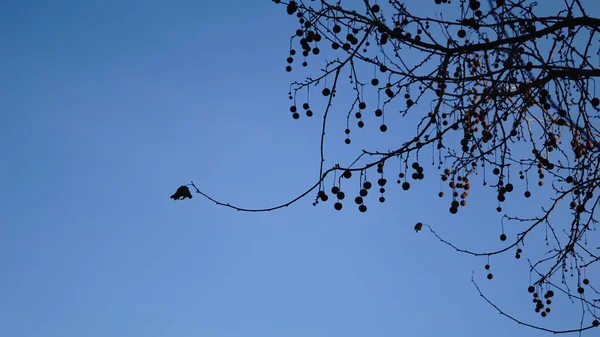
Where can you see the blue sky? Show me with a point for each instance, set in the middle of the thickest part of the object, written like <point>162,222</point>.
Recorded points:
<point>108,106</point>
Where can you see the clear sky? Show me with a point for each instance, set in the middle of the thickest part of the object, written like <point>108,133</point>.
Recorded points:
<point>107,106</point>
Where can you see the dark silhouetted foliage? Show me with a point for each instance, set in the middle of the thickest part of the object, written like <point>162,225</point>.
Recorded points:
<point>504,97</point>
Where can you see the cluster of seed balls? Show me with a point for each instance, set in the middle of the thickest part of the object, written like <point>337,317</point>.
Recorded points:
<point>489,275</point>
<point>366,187</point>
<point>308,36</point>
<point>463,183</point>
<point>359,114</point>
<point>543,306</point>
<point>540,306</point>
<point>305,106</point>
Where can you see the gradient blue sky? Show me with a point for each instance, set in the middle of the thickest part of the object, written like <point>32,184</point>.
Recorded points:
<point>108,106</point>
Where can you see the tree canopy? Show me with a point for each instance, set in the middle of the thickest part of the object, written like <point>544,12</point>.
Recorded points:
<point>500,93</point>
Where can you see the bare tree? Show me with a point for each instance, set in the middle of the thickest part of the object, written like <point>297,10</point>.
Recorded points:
<point>508,95</point>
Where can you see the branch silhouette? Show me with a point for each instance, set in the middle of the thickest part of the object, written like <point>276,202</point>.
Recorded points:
<point>494,90</point>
